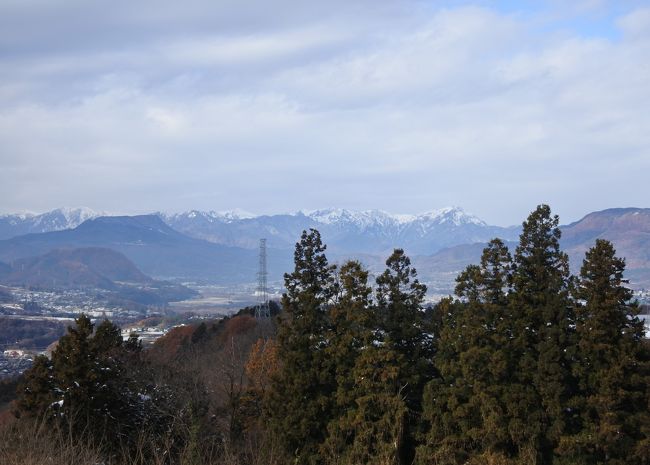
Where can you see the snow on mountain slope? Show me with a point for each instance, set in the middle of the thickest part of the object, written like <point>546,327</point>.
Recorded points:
<point>368,231</point>
<point>343,230</point>
<point>209,216</point>
<point>371,218</point>
<point>56,220</point>
<point>450,215</point>
<point>360,219</point>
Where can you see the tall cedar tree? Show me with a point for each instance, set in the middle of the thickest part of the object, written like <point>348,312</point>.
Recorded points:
<point>464,406</point>
<point>612,367</point>
<point>371,408</point>
<point>351,331</point>
<point>543,325</point>
<point>301,402</point>
<point>407,342</point>
<point>505,357</point>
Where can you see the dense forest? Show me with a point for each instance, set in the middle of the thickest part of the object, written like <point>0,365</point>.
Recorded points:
<point>527,364</point>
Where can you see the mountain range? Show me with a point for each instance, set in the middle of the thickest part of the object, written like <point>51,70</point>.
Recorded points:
<point>56,220</point>
<point>154,247</point>
<point>364,232</point>
<point>346,231</point>
<point>222,247</point>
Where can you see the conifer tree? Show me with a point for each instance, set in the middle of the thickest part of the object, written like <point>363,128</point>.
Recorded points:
<point>352,329</point>
<point>407,343</point>
<point>505,354</point>
<point>445,397</point>
<point>464,406</point>
<point>107,337</point>
<point>36,392</point>
<point>73,362</point>
<point>84,387</point>
<point>374,428</point>
<point>612,367</point>
<point>300,403</point>
<point>353,334</point>
<point>542,331</point>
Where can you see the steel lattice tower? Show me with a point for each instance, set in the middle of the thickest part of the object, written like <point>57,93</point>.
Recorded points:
<point>262,310</point>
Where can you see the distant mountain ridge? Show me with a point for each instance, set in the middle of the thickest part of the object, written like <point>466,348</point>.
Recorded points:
<point>346,231</point>
<point>12,225</point>
<point>154,247</point>
<point>222,247</point>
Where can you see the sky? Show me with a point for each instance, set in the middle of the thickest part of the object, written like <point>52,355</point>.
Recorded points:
<point>278,105</point>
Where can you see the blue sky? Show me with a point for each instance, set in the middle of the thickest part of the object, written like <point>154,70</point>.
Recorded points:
<point>284,105</point>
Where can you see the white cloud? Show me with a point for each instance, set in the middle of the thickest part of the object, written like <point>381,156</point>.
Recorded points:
<point>404,109</point>
<point>636,24</point>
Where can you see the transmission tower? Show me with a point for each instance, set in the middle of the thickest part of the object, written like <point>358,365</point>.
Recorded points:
<point>262,310</point>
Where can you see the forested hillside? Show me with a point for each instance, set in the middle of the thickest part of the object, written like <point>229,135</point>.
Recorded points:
<point>527,364</point>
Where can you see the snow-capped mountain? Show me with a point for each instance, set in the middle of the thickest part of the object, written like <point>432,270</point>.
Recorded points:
<point>371,218</point>
<point>360,219</point>
<point>440,242</point>
<point>344,231</point>
<point>55,220</point>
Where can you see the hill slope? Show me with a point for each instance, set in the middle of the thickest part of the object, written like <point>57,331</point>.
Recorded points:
<point>153,246</point>
<point>93,266</point>
<point>627,228</point>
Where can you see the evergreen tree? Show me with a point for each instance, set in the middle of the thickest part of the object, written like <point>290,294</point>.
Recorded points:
<point>542,330</point>
<point>374,428</point>
<point>301,402</point>
<point>36,392</point>
<point>76,373</point>
<point>446,396</point>
<point>612,366</point>
<point>200,334</point>
<point>107,337</point>
<point>352,329</point>
<point>370,406</point>
<point>407,343</point>
<point>464,406</point>
<point>85,387</point>
<point>505,355</point>
<point>133,344</point>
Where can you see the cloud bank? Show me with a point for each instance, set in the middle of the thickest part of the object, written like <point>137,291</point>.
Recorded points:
<point>283,105</point>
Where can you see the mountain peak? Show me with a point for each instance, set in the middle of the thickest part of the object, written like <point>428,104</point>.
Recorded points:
<point>234,215</point>
<point>450,215</point>
<point>362,219</point>
<point>328,215</point>
<point>74,215</point>
<point>225,216</point>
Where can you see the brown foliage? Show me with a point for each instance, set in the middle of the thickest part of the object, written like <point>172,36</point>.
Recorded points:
<point>168,347</point>
<point>262,364</point>
<point>237,326</point>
